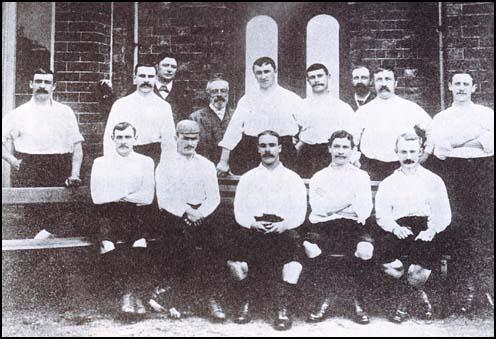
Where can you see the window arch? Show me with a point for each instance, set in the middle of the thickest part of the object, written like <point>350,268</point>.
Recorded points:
<point>261,40</point>
<point>323,47</point>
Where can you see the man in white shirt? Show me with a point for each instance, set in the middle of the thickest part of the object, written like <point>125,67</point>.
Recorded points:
<point>122,186</point>
<point>188,196</point>
<point>41,141</point>
<point>213,119</point>
<point>322,115</point>
<point>360,78</point>
<point>271,107</point>
<point>341,202</point>
<point>382,120</point>
<point>412,207</point>
<point>463,137</point>
<point>150,115</point>
<point>270,203</point>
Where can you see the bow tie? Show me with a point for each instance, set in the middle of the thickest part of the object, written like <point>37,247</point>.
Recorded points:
<point>163,88</point>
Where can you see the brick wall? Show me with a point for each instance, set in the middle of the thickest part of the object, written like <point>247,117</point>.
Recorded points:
<point>200,34</point>
<point>402,35</point>
<point>82,44</point>
<point>470,45</point>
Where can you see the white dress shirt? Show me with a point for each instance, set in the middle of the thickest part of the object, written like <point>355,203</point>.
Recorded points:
<point>164,94</point>
<point>322,115</point>
<point>150,115</point>
<point>333,186</point>
<point>421,194</point>
<point>219,113</point>
<point>279,191</point>
<point>274,109</point>
<point>382,121</point>
<point>182,181</point>
<point>460,124</point>
<point>116,178</point>
<point>42,129</point>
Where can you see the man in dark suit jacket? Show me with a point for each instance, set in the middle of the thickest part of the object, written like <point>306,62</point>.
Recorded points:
<point>172,91</point>
<point>213,119</point>
<point>360,77</point>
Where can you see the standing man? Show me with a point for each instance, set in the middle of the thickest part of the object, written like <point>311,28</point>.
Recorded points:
<point>188,195</point>
<point>270,203</point>
<point>172,91</point>
<point>322,115</point>
<point>150,115</point>
<point>213,119</point>
<point>341,202</point>
<point>269,108</point>
<point>123,186</point>
<point>412,207</point>
<point>382,120</point>
<point>41,140</point>
<point>360,78</point>
<point>463,137</point>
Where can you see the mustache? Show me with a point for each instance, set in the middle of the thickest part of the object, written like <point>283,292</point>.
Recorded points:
<point>219,98</point>
<point>318,84</point>
<point>267,155</point>
<point>146,84</point>
<point>408,161</point>
<point>41,90</point>
<point>384,88</point>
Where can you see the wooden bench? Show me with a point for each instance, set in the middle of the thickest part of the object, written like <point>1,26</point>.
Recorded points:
<point>61,195</point>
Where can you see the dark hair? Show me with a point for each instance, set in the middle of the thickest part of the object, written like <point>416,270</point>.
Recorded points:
<point>315,67</point>
<point>264,60</point>
<point>121,126</point>
<point>142,64</point>
<point>43,71</point>
<point>270,132</point>
<point>460,72</point>
<point>340,135</point>
<point>385,68</point>
<point>161,56</point>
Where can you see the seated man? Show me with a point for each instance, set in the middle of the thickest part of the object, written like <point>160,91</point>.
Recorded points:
<point>412,206</point>
<point>189,246</point>
<point>122,185</point>
<point>42,143</point>
<point>341,202</point>
<point>270,202</point>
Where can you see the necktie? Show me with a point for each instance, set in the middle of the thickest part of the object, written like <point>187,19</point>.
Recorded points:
<point>360,102</point>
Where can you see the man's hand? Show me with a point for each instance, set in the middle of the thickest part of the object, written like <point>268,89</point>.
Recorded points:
<point>426,235</point>
<point>261,226</point>
<point>73,181</point>
<point>402,232</point>
<point>276,227</point>
<point>16,163</point>
<point>222,168</point>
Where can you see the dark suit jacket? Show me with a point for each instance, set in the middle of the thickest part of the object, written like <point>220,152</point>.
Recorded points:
<point>180,100</point>
<point>211,131</point>
<point>350,100</point>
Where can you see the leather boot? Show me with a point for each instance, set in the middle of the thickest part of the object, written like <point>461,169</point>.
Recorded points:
<point>282,322</point>
<point>360,316</point>
<point>321,312</point>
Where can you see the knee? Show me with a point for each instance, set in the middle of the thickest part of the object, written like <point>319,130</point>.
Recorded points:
<point>239,269</point>
<point>394,269</point>
<point>364,250</point>
<point>291,272</point>
<point>417,276</point>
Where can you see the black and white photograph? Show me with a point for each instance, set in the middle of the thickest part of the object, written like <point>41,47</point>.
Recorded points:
<point>249,169</point>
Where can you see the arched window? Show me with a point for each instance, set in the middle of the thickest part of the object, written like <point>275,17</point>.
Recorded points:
<point>323,48</point>
<point>261,40</point>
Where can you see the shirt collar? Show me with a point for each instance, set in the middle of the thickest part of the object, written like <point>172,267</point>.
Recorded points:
<point>219,113</point>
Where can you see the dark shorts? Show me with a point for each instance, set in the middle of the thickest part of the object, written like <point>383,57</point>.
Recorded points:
<point>312,158</point>
<point>339,236</point>
<point>423,253</point>
<point>153,150</point>
<point>122,221</point>
<point>42,170</point>
<point>378,170</point>
<point>245,155</point>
